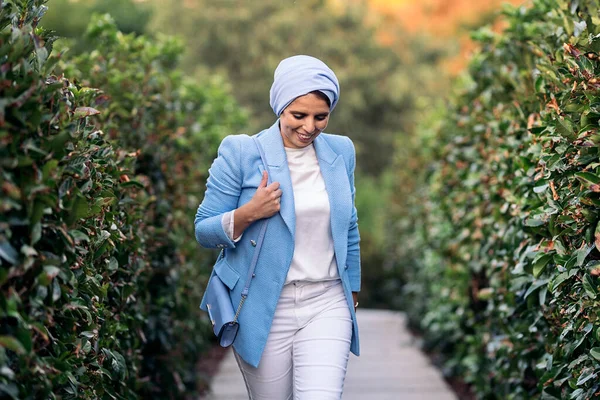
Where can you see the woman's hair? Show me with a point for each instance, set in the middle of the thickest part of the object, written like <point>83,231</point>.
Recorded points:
<point>322,96</point>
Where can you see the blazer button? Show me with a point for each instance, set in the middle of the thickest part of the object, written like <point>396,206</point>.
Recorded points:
<point>253,275</point>
<point>253,243</point>
<point>345,267</point>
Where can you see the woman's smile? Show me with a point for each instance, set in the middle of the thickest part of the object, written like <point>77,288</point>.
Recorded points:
<point>304,137</point>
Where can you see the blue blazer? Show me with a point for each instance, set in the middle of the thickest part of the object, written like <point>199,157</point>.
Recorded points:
<point>233,179</point>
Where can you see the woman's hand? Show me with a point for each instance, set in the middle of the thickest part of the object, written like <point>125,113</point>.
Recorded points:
<point>264,204</point>
<point>355,299</point>
<point>266,200</point>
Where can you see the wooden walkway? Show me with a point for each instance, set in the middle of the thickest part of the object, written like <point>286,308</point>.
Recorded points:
<point>390,367</point>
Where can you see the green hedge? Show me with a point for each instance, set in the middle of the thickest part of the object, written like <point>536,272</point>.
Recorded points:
<point>100,277</point>
<point>175,127</point>
<point>69,232</point>
<point>500,251</point>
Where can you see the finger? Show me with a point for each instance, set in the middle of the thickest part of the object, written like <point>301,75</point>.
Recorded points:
<point>265,179</point>
<point>277,193</point>
<point>274,186</point>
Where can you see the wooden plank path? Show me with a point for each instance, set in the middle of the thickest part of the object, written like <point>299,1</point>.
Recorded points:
<point>390,367</point>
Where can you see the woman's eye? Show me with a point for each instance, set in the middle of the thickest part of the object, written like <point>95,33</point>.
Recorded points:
<point>298,116</point>
<point>321,118</point>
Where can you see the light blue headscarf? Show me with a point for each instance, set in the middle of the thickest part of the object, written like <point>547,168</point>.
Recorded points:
<point>298,75</point>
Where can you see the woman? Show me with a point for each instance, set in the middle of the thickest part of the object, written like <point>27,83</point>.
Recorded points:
<point>298,323</point>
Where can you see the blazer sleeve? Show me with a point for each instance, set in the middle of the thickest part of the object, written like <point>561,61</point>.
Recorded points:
<point>223,189</point>
<point>353,257</point>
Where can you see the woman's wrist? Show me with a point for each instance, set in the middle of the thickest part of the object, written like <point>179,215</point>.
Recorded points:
<point>244,217</point>
<point>249,214</point>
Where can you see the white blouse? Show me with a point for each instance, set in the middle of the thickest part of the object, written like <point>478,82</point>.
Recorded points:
<point>314,257</point>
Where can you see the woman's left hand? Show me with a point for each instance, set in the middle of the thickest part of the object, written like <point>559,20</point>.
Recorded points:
<point>355,299</point>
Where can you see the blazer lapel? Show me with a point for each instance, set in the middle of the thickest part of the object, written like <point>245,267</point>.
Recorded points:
<point>272,144</point>
<point>333,170</point>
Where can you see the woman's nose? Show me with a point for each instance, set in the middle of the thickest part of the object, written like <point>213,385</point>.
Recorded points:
<point>309,125</point>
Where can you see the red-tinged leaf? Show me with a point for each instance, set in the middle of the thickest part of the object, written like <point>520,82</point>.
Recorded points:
<point>571,50</point>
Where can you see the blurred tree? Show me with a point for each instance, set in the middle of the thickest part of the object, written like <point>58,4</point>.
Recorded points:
<point>70,18</point>
<point>246,41</point>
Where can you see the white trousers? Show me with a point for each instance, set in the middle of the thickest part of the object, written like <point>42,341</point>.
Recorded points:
<point>308,346</point>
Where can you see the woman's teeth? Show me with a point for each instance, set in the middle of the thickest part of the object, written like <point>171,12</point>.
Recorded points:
<point>305,137</point>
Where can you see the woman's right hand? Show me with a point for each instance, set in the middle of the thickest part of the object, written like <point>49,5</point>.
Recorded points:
<point>264,204</point>
<point>267,199</point>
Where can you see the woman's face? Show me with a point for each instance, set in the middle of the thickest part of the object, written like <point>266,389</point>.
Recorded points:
<point>303,120</point>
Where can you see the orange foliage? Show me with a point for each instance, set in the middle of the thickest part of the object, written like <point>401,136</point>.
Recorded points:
<point>443,19</point>
<point>437,17</point>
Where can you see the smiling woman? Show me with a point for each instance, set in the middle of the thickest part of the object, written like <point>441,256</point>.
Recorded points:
<point>298,322</point>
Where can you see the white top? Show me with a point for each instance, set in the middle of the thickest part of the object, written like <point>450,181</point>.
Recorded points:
<point>314,257</point>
